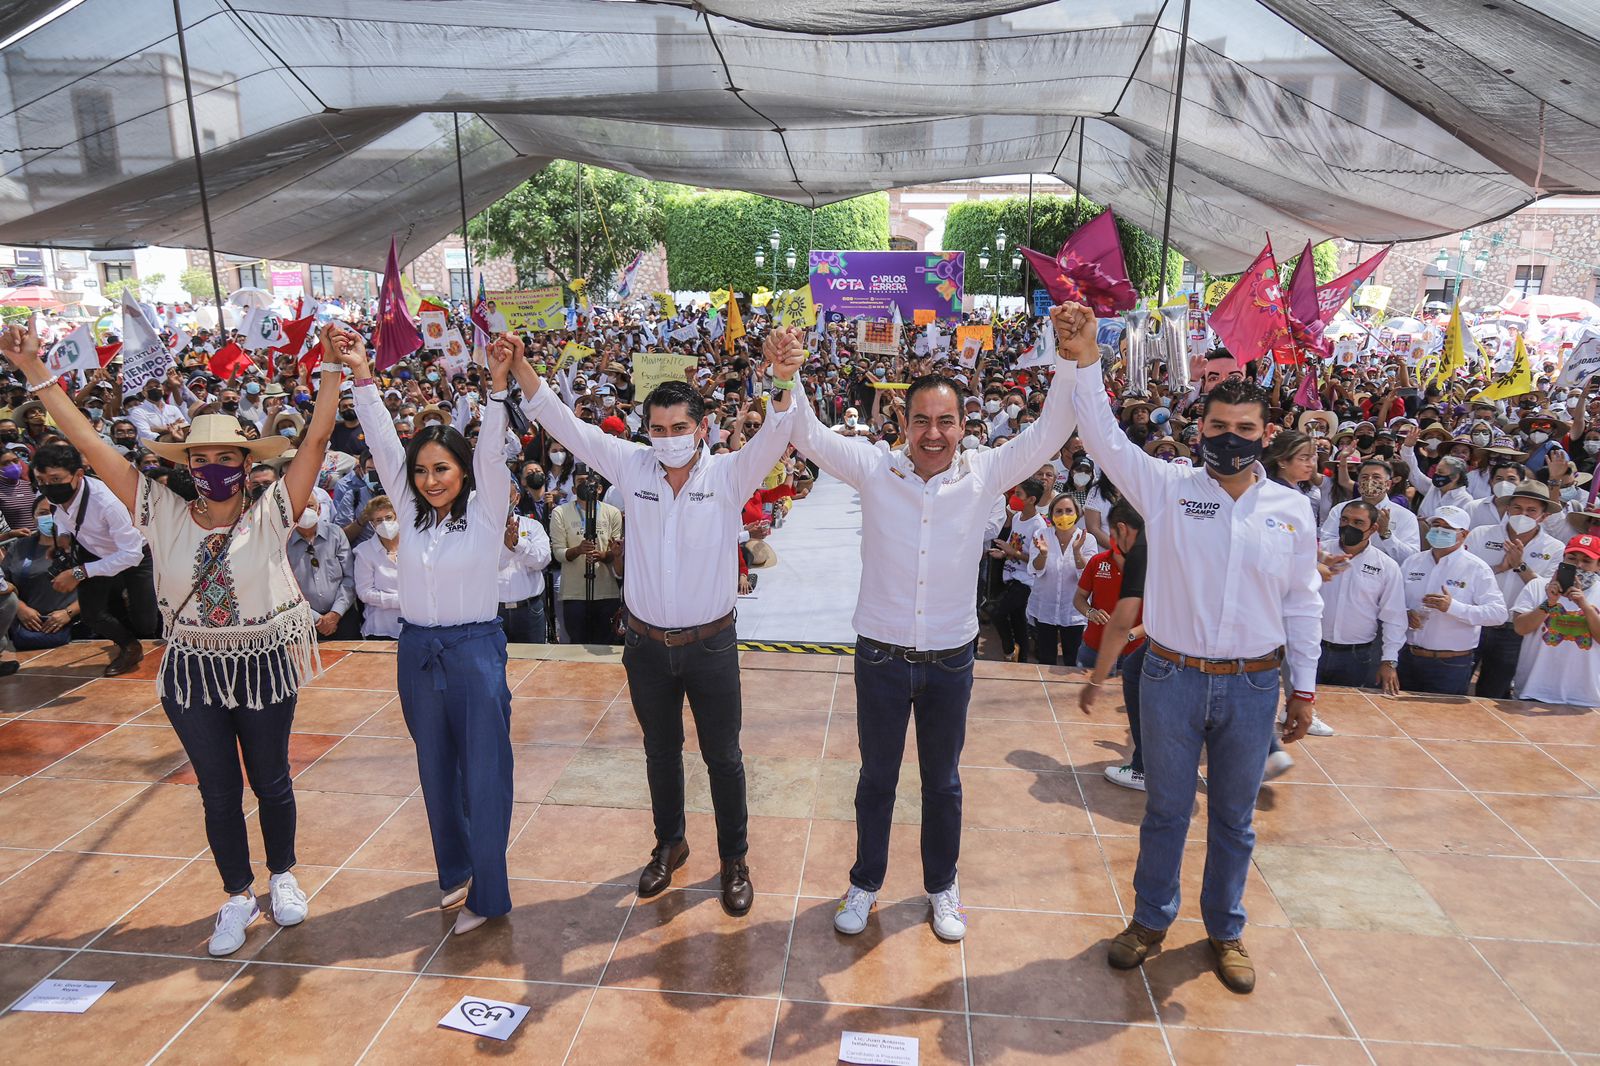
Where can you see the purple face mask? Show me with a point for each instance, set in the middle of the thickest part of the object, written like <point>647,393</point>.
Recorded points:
<point>11,471</point>
<point>216,481</point>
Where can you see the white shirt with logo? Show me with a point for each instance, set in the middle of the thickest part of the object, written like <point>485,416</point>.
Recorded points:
<point>1541,555</point>
<point>1475,600</point>
<point>1404,539</point>
<point>1367,592</point>
<point>1559,662</point>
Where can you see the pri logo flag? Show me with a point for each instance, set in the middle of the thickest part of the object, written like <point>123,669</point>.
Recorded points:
<point>397,335</point>
<point>1251,319</point>
<point>263,328</point>
<point>144,357</point>
<point>75,351</point>
<point>1043,352</point>
<point>1583,362</point>
<point>625,286</point>
<point>1089,268</point>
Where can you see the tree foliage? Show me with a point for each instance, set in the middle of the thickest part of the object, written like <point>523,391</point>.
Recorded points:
<point>113,290</point>
<point>535,225</point>
<point>971,226</point>
<point>712,237</point>
<point>196,281</point>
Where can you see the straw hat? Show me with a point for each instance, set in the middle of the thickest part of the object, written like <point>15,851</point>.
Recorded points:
<point>762,554</point>
<point>1178,446</point>
<point>217,431</point>
<point>1329,422</point>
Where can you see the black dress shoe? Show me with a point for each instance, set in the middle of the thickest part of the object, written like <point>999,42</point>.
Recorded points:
<point>658,874</point>
<point>128,658</point>
<point>737,891</point>
<point>9,667</point>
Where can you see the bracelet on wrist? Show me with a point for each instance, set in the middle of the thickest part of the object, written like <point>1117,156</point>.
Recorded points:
<point>330,368</point>
<point>1304,697</point>
<point>783,383</point>
<point>39,386</point>
<point>363,381</point>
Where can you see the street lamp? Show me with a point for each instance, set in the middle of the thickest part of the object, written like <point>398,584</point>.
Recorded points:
<point>1461,274</point>
<point>775,239</point>
<point>997,255</point>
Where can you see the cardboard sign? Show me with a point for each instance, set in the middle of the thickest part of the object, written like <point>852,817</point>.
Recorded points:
<point>485,1017</point>
<point>985,335</point>
<point>652,368</point>
<point>63,997</point>
<point>878,1049</point>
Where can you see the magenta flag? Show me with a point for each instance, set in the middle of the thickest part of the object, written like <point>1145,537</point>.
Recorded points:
<point>397,335</point>
<point>1305,318</point>
<point>1331,297</point>
<point>1089,269</point>
<point>1306,397</point>
<point>1251,319</point>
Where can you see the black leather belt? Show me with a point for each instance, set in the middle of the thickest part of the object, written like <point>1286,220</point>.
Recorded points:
<point>1331,646</point>
<point>519,603</point>
<point>912,655</point>
<point>677,638</point>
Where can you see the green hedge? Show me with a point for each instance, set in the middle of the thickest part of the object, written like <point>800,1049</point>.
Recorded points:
<point>971,226</point>
<point>711,237</point>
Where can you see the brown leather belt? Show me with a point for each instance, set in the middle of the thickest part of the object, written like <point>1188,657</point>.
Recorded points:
<point>1220,666</point>
<point>677,638</point>
<point>1430,653</point>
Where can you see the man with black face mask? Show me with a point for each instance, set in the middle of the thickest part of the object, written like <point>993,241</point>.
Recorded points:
<point>1364,590</point>
<point>347,435</point>
<point>125,435</point>
<point>1232,590</point>
<point>153,415</point>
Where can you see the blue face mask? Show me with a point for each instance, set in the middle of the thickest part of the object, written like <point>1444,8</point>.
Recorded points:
<point>433,377</point>
<point>1441,537</point>
<point>253,388</point>
<point>47,525</point>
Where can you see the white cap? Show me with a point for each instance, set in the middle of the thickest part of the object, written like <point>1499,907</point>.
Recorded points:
<point>1454,517</point>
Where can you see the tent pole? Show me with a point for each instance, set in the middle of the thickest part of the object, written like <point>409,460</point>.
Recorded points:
<point>1172,155</point>
<point>461,186</point>
<point>1077,186</point>
<point>199,168</point>
<point>1027,264</point>
<point>580,221</point>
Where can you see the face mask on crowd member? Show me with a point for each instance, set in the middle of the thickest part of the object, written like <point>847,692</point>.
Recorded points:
<point>1233,427</point>
<point>1448,472</point>
<point>218,473</point>
<point>675,416</point>
<point>1373,481</point>
<point>1447,528</point>
<point>1064,514</point>
<point>1356,523</point>
<point>1482,437</point>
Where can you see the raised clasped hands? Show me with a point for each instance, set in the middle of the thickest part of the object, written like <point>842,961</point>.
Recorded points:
<point>1075,333</point>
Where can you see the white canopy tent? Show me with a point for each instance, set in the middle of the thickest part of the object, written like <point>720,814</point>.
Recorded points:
<point>328,125</point>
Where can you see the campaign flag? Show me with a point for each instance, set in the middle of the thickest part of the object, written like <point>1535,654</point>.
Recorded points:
<point>229,360</point>
<point>1089,269</point>
<point>263,328</point>
<point>108,352</point>
<point>1306,397</point>
<point>1453,359</point>
<point>1251,320</point>
<point>75,351</point>
<point>897,319</point>
<point>1516,381</point>
<point>570,351</point>
<point>1332,296</point>
<point>145,358</point>
<point>735,327</point>
<point>1305,313</point>
<point>480,317</point>
<point>797,308</point>
<point>1043,351</point>
<point>669,306</point>
<point>685,333</point>
<point>397,335</point>
<point>1583,362</point>
<point>625,286</point>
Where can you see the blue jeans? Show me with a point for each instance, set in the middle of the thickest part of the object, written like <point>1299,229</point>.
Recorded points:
<point>1448,677</point>
<point>1356,667</point>
<point>524,623</point>
<point>889,691</point>
<point>1132,666</point>
<point>457,707</point>
<point>1234,717</point>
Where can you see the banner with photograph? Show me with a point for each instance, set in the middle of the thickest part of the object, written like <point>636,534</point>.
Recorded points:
<point>872,284</point>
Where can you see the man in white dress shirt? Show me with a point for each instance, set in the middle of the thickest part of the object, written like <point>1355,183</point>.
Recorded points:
<point>1518,549</point>
<point>112,564</point>
<point>1363,608</point>
<point>1398,537</point>
<point>1451,595</point>
<point>153,415</point>
<point>1232,586</point>
<point>684,521</point>
<point>525,554</point>
<point>926,514</point>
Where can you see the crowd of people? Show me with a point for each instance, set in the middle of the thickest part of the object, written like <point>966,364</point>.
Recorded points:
<point>1220,537</point>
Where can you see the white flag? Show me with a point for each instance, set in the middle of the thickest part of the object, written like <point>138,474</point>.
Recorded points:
<point>1583,362</point>
<point>263,328</point>
<point>685,333</point>
<point>144,357</point>
<point>1043,352</point>
<point>716,326</point>
<point>75,351</point>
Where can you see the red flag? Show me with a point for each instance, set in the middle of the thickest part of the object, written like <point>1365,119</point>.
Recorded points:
<point>1331,297</point>
<point>1305,320</point>
<point>1251,319</point>
<point>309,361</point>
<point>108,352</point>
<point>297,332</point>
<point>229,360</point>
<point>429,305</point>
<point>1089,269</point>
<point>397,335</point>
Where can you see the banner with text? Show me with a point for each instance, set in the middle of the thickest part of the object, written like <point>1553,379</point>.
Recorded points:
<point>871,284</point>
<point>652,368</point>
<point>530,309</point>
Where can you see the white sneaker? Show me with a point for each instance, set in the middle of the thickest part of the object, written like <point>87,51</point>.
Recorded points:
<point>1126,776</point>
<point>851,917</point>
<point>1319,728</point>
<point>949,920</point>
<point>233,919</point>
<point>288,901</point>
<point>1278,764</point>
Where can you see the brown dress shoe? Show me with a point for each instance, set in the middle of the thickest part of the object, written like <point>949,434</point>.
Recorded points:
<point>1234,965</point>
<point>1129,947</point>
<point>737,891</point>
<point>657,874</point>
<point>129,656</point>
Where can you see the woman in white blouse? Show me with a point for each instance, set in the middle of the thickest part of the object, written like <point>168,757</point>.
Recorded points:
<point>1059,557</point>
<point>378,571</point>
<point>451,662</point>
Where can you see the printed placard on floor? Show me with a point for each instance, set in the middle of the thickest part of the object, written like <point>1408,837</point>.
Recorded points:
<point>485,1017</point>
<point>877,1049</point>
<point>63,997</point>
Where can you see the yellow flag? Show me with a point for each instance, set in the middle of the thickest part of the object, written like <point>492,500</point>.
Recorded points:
<point>796,308</point>
<point>1518,381</point>
<point>669,307</point>
<point>720,297</point>
<point>570,351</point>
<point>735,328</point>
<point>761,297</point>
<point>1454,358</point>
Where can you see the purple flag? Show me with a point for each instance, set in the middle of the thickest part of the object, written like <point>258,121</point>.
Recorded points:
<point>1089,268</point>
<point>1305,319</point>
<point>397,334</point>
<point>1306,397</point>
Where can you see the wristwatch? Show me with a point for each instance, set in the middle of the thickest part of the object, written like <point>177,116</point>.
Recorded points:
<point>1390,662</point>
<point>80,573</point>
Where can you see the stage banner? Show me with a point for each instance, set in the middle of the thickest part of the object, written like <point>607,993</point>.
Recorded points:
<point>531,309</point>
<point>871,284</point>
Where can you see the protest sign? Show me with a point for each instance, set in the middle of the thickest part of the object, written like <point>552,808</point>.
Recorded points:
<point>537,309</point>
<point>871,283</point>
<point>652,368</point>
<point>985,335</point>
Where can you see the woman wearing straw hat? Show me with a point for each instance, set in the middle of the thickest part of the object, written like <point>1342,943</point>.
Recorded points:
<point>241,639</point>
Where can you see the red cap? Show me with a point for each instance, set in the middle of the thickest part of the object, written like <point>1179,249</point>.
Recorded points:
<point>1587,543</point>
<point>614,426</point>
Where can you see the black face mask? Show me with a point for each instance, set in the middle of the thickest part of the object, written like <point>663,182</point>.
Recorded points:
<point>154,395</point>
<point>1385,450</point>
<point>536,482</point>
<point>1350,536</point>
<point>1364,441</point>
<point>257,491</point>
<point>231,407</point>
<point>348,416</point>
<point>58,494</point>
<point>9,436</point>
<point>1229,453</point>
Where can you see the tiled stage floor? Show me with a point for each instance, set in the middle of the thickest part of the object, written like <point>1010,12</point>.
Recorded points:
<point>1425,890</point>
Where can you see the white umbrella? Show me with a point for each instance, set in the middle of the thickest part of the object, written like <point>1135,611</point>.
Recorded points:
<point>251,299</point>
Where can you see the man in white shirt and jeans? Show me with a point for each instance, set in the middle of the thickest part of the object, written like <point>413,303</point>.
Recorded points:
<point>925,516</point>
<point>1451,595</point>
<point>1232,587</point>
<point>684,520</point>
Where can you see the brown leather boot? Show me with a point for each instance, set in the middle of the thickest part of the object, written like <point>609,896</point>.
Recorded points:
<point>657,874</point>
<point>1129,947</point>
<point>129,656</point>
<point>737,891</point>
<point>1234,965</point>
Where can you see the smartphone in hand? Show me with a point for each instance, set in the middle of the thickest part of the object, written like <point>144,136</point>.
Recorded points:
<point>1566,575</point>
